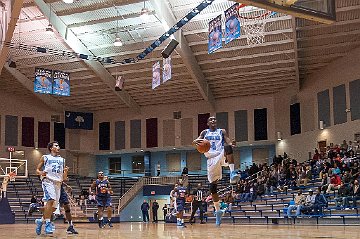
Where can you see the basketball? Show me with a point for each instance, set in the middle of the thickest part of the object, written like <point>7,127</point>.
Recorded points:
<point>204,146</point>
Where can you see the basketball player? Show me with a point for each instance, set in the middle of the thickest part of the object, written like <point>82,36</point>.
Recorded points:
<point>52,172</point>
<point>180,203</point>
<point>219,154</point>
<point>103,194</point>
<point>64,202</point>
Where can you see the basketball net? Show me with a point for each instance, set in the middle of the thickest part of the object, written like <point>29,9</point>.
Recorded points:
<point>252,21</point>
<point>12,176</point>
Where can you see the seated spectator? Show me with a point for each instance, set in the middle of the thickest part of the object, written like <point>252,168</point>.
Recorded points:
<point>92,198</point>
<point>319,203</point>
<point>299,203</point>
<point>342,198</point>
<point>305,177</point>
<point>336,170</point>
<point>355,193</point>
<point>309,202</point>
<point>335,182</point>
<point>82,200</point>
<point>34,206</point>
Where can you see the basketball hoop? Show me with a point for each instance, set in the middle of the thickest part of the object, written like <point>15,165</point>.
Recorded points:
<point>12,176</point>
<point>252,21</point>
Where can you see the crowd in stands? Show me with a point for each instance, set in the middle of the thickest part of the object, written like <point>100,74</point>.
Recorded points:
<point>337,167</point>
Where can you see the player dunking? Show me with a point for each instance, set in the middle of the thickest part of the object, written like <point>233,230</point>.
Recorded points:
<point>103,193</point>
<point>219,154</point>
<point>52,171</point>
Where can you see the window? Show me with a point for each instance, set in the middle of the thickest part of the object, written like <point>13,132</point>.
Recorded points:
<point>138,165</point>
<point>114,165</point>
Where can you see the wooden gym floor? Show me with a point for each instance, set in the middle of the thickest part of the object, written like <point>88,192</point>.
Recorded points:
<point>165,231</point>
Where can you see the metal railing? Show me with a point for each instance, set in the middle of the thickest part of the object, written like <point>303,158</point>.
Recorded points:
<point>134,190</point>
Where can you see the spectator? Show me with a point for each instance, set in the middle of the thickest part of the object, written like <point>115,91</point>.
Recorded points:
<point>145,211</point>
<point>299,203</point>
<point>335,182</point>
<point>309,202</point>
<point>320,203</point>
<point>165,211</point>
<point>342,198</point>
<point>355,193</point>
<point>92,198</point>
<point>155,207</point>
<point>158,167</point>
<point>185,171</point>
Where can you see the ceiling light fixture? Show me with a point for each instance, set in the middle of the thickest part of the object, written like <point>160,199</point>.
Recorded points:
<point>144,13</point>
<point>68,1</point>
<point>49,29</point>
<point>118,41</point>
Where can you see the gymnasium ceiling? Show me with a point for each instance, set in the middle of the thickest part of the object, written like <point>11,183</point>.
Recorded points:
<point>293,49</point>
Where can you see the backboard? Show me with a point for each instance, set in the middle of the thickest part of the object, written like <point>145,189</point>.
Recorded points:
<point>17,167</point>
<point>316,10</point>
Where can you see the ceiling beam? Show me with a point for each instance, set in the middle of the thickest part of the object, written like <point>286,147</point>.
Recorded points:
<point>96,6</point>
<point>74,43</point>
<point>13,7</point>
<point>297,75</point>
<point>165,13</point>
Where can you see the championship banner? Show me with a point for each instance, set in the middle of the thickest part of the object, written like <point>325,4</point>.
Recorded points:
<point>215,34</point>
<point>156,77</point>
<point>232,23</point>
<point>166,69</point>
<point>61,85</point>
<point>43,81</point>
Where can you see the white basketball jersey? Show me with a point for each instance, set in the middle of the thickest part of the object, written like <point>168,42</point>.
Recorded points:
<point>216,139</point>
<point>54,167</point>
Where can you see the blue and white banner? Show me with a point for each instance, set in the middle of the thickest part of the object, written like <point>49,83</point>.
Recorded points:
<point>78,120</point>
<point>215,34</point>
<point>166,69</point>
<point>156,77</point>
<point>43,81</point>
<point>61,85</point>
<point>232,23</point>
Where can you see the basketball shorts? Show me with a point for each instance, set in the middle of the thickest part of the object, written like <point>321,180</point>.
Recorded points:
<point>63,200</point>
<point>214,167</point>
<point>103,201</point>
<point>180,204</point>
<point>51,190</point>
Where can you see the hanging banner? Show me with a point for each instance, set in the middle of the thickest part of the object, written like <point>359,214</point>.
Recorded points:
<point>232,23</point>
<point>156,78</point>
<point>166,69</point>
<point>43,81</point>
<point>215,34</point>
<point>61,85</point>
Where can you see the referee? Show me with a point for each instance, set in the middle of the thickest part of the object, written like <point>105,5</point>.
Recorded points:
<point>197,204</point>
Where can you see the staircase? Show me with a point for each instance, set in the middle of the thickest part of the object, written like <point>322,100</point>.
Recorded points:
<point>135,189</point>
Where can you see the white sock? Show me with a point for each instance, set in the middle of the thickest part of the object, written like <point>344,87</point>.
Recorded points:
<point>182,220</point>
<point>178,219</point>
<point>217,206</point>
<point>232,167</point>
<point>70,223</point>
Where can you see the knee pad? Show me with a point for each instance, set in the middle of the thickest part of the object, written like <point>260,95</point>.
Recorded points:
<point>228,149</point>
<point>213,188</point>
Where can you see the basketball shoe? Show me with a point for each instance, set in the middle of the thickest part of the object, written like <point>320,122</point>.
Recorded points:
<point>101,224</point>
<point>71,230</point>
<point>234,177</point>
<point>39,224</point>
<point>48,228</point>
